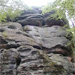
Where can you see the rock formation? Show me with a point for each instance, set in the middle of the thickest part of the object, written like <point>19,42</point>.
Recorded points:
<point>43,50</point>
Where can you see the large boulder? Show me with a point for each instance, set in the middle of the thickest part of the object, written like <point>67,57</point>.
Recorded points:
<point>31,19</point>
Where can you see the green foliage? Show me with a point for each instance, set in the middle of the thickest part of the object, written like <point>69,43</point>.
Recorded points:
<point>47,8</point>
<point>4,34</point>
<point>63,8</point>
<point>11,15</point>
<point>72,41</point>
<point>9,9</point>
<point>68,6</point>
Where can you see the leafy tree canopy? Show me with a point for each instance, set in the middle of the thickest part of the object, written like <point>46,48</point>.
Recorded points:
<point>9,9</point>
<point>61,7</point>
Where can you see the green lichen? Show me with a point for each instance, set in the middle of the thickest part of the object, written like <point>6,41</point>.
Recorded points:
<point>4,34</point>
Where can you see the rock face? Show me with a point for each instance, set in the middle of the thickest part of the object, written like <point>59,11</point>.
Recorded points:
<point>31,19</point>
<point>49,21</point>
<point>43,50</point>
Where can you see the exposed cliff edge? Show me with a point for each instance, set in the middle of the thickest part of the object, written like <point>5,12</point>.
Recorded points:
<point>43,49</point>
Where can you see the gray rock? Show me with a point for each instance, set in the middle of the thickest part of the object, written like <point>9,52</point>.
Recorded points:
<point>49,36</point>
<point>12,25</point>
<point>24,16</point>
<point>3,41</point>
<point>32,19</point>
<point>8,62</point>
<point>2,29</point>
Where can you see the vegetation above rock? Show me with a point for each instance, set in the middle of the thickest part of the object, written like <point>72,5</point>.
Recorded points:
<point>9,9</point>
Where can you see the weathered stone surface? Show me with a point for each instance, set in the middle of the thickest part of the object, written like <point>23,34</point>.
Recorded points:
<point>2,29</point>
<point>31,19</point>
<point>24,16</point>
<point>3,41</point>
<point>7,62</point>
<point>48,36</point>
<point>43,50</point>
<point>12,25</point>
